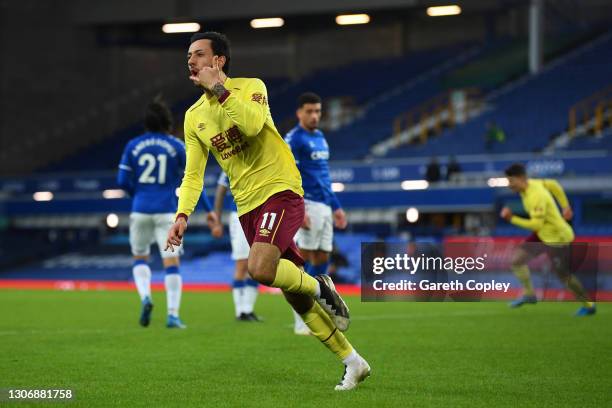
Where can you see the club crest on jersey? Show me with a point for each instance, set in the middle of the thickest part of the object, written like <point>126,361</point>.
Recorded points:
<point>201,126</point>
<point>264,232</point>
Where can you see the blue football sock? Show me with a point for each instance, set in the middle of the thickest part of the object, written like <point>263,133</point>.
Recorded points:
<point>251,282</point>
<point>319,269</point>
<point>172,269</point>
<point>308,268</point>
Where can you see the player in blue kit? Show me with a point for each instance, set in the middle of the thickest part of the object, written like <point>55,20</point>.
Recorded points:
<point>244,288</point>
<point>150,171</point>
<point>323,210</point>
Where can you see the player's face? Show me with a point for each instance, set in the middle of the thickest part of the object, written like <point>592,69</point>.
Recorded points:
<point>516,184</point>
<point>200,55</point>
<point>309,115</point>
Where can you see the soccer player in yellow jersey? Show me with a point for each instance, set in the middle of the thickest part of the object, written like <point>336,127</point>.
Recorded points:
<point>551,234</point>
<point>232,120</point>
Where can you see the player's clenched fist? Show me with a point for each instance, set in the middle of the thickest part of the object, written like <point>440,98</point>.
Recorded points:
<point>175,234</point>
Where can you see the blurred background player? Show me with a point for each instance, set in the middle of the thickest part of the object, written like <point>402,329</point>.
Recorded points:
<point>551,234</point>
<point>323,210</point>
<point>244,289</point>
<point>150,171</point>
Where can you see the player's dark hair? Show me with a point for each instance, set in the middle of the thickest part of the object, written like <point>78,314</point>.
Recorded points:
<point>220,45</point>
<point>516,170</point>
<point>308,97</point>
<point>157,117</point>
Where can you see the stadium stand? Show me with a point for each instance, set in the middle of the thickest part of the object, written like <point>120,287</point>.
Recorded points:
<point>531,110</point>
<point>329,83</point>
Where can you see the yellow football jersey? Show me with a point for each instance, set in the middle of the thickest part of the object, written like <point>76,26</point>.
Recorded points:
<point>544,216</point>
<point>241,135</point>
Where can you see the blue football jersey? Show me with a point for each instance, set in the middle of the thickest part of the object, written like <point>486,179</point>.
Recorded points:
<point>311,154</point>
<point>151,169</point>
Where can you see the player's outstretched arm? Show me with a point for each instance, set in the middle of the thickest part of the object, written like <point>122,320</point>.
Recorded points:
<point>534,223</point>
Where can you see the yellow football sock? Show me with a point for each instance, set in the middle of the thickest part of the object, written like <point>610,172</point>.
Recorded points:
<point>292,279</point>
<point>325,330</point>
<point>577,289</point>
<point>522,273</point>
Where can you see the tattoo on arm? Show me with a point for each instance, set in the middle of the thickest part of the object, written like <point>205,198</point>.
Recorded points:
<point>218,89</point>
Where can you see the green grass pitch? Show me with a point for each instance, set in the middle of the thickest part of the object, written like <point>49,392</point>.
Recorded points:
<point>422,354</point>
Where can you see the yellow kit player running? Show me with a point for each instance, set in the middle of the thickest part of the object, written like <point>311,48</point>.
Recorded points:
<point>233,121</point>
<point>551,234</point>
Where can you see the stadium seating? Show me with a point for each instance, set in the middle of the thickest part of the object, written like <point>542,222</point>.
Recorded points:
<point>376,124</point>
<point>340,81</point>
<point>603,142</point>
<point>530,112</point>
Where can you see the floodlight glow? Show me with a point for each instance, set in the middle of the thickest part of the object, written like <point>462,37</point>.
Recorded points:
<point>43,196</point>
<point>113,193</point>
<point>498,182</point>
<point>337,187</point>
<point>440,11</point>
<point>414,184</point>
<point>112,220</point>
<point>173,28</point>
<point>412,215</point>
<point>349,19</point>
<point>267,22</point>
